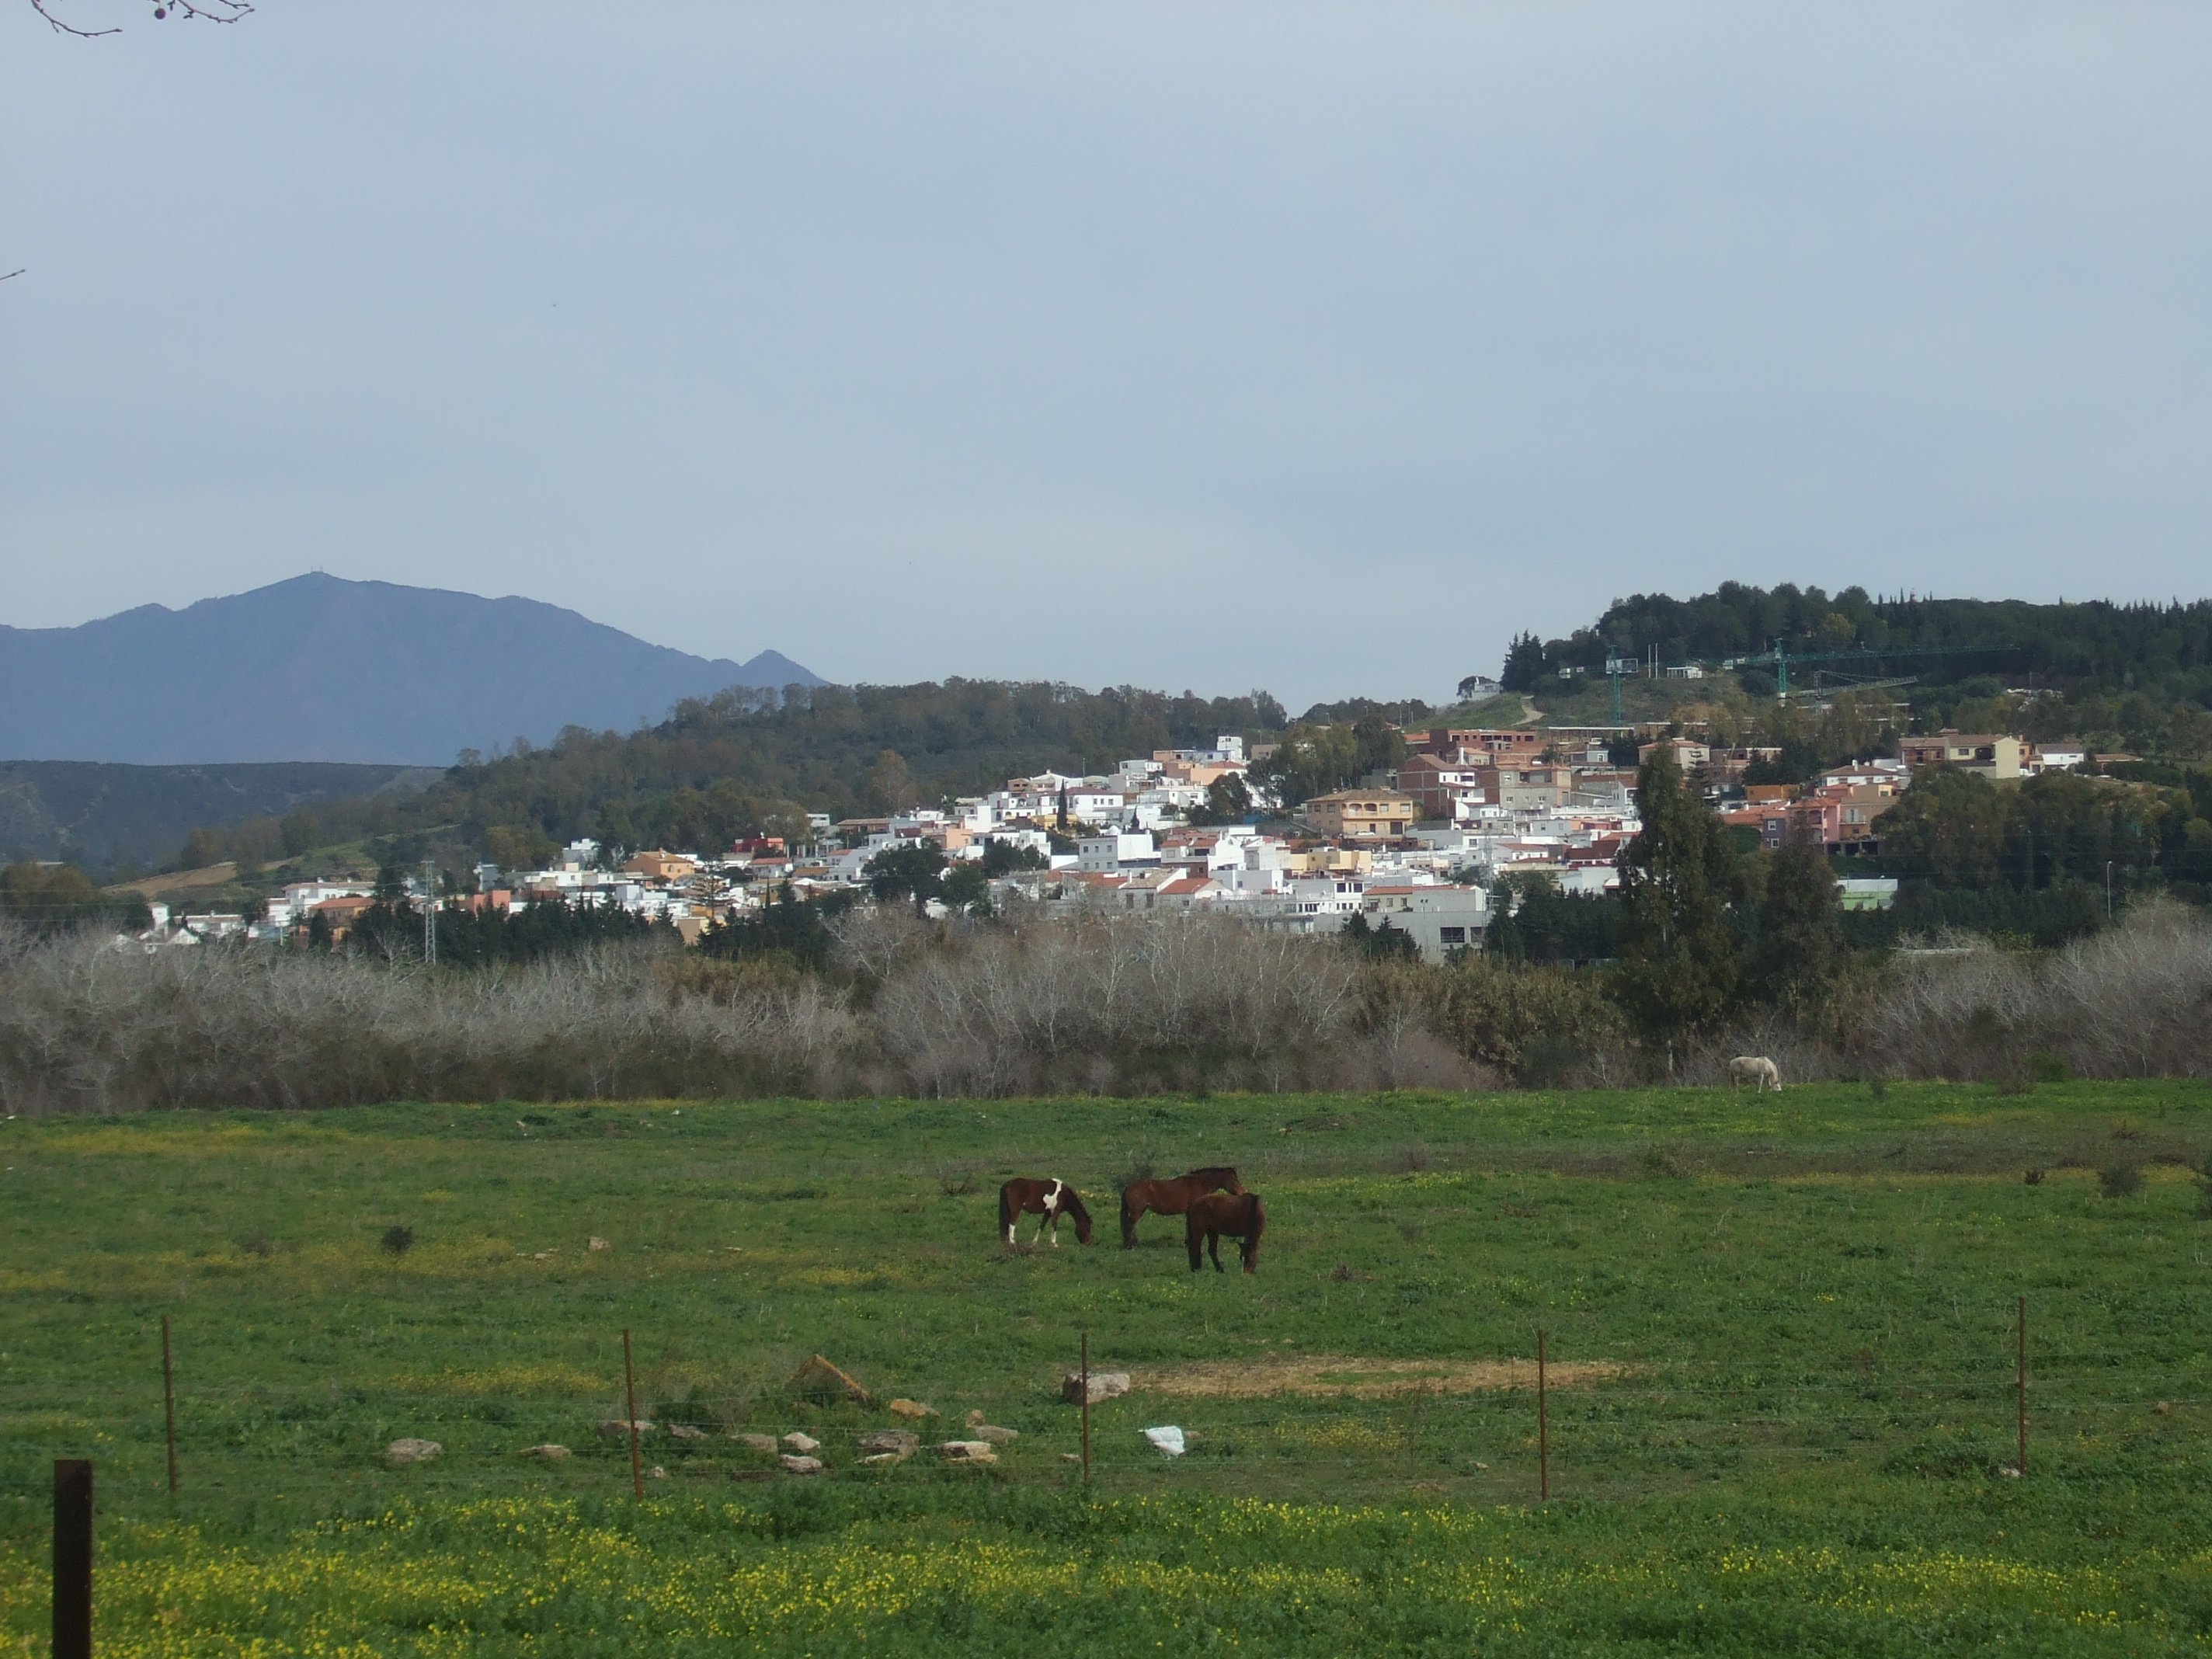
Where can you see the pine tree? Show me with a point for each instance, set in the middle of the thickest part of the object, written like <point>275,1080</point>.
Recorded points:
<point>1678,950</point>
<point>1524,664</point>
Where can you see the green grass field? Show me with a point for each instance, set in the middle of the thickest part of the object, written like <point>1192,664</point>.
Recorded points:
<point>1783,1325</point>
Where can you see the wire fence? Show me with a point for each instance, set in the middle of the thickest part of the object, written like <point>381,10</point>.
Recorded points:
<point>1607,1429</point>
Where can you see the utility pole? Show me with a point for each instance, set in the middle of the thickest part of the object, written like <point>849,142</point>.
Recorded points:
<point>429,909</point>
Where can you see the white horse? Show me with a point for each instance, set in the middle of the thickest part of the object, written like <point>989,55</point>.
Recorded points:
<point>1757,1070</point>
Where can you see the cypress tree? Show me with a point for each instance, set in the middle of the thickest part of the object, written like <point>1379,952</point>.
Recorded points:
<point>1678,951</point>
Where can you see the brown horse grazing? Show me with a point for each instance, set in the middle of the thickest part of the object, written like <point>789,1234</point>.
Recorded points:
<point>1242,1216</point>
<point>1172,1197</point>
<point>1049,1199</point>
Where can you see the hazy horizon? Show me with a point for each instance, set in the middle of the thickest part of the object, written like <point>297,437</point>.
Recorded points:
<point>1293,348</point>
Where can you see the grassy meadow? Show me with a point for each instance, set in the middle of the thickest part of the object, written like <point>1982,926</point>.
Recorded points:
<point>1780,1328</point>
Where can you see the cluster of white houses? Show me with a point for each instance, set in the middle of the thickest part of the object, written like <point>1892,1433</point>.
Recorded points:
<point>1418,847</point>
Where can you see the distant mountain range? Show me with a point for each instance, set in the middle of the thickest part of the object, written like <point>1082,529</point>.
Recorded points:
<point>322,669</point>
<point>101,817</point>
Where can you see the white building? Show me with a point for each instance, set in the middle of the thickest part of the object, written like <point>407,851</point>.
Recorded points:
<point>1117,852</point>
<point>1439,918</point>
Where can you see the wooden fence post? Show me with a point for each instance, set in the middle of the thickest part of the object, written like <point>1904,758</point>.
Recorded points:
<point>1543,1428</point>
<point>72,1559</point>
<point>169,1401</point>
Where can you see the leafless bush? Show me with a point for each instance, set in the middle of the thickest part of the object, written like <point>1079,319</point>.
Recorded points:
<point>2131,1002</point>
<point>1112,1001</point>
<point>1097,1004</point>
<point>85,1026</point>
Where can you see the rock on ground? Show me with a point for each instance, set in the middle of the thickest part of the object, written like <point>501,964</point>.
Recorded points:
<point>801,1441</point>
<point>913,1410</point>
<point>969,1451</point>
<point>687,1432</point>
<point>1104,1385</point>
<point>760,1442</point>
<point>549,1453</point>
<point>802,1465</point>
<point>817,1379</point>
<point>995,1434</point>
<point>894,1442</point>
<point>408,1450</point>
<point>615,1428</point>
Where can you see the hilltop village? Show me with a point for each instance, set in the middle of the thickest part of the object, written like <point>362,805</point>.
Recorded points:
<point>1421,848</point>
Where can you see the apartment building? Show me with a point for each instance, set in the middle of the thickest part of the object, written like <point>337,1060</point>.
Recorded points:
<point>1361,814</point>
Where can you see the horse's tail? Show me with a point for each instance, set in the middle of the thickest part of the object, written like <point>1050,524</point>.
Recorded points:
<point>1130,1211</point>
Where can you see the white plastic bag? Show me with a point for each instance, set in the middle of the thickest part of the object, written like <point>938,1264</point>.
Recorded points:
<point>1168,1439</point>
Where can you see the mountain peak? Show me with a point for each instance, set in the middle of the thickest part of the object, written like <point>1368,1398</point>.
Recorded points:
<point>319,667</point>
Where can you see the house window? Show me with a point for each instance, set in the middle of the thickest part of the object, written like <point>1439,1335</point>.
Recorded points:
<point>1451,935</point>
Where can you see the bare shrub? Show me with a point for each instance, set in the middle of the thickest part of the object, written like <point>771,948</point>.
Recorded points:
<point>87,1027</point>
<point>1101,1002</point>
<point>2128,1002</point>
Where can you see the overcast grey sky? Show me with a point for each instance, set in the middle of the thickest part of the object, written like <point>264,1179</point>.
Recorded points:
<point>1314,348</point>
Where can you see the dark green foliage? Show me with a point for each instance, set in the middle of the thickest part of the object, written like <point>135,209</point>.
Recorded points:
<point>548,928</point>
<point>1532,921</point>
<point>1526,664</point>
<point>1314,759</point>
<point>1799,943</point>
<point>2123,1180</point>
<point>2036,859</point>
<point>789,926</point>
<point>489,938</point>
<point>51,897</point>
<point>1677,947</point>
<point>398,1240</point>
<point>1003,858</point>
<point>1227,800</point>
<point>966,890</point>
<point>913,870</point>
<point>1379,943</point>
<point>738,763</point>
<point>2094,644</point>
<point>1956,830</point>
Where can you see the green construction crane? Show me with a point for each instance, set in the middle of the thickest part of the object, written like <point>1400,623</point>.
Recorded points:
<point>1616,666</point>
<point>1781,656</point>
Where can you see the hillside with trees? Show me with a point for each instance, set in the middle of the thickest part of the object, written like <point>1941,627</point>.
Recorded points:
<point>747,762</point>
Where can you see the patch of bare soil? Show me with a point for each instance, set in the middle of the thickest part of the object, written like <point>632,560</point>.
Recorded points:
<point>1326,1376</point>
<point>208,875</point>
